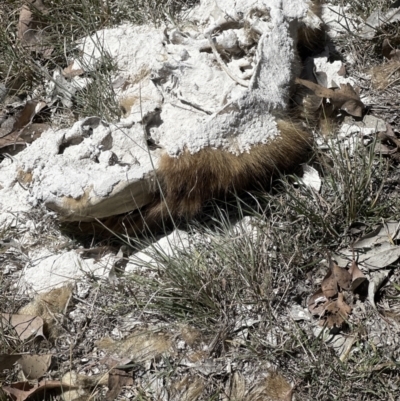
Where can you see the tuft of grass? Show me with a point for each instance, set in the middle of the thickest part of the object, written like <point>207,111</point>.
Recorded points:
<point>353,190</point>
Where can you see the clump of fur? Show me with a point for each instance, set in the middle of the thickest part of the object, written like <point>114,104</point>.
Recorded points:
<point>188,181</point>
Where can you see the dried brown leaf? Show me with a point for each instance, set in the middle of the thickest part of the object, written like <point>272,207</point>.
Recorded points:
<point>342,276</point>
<point>35,366</point>
<point>337,312</point>
<point>116,380</point>
<point>26,326</point>
<point>357,276</point>
<point>26,115</point>
<point>20,391</point>
<point>317,302</point>
<point>70,72</point>
<point>329,285</point>
<point>16,141</point>
<point>12,141</point>
<point>345,98</point>
<point>30,28</point>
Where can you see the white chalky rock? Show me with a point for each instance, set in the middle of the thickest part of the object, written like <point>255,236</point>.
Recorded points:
<point>48,271</point>
<point>177,94</point>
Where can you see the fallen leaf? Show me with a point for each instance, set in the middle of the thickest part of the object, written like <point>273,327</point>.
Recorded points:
<point>357,276</point>
<point>22,131</point>
<point>26,326</point>
<point>35,366</point>
<point>329,285</point>
<point>316,303</point>
<point>345,98</point>
<point>374,285</point>
<point>47,305</point>
<point>30,28</point>
<point>116,380</point>
<point>387,232</point>
<point>72,70</point>
<point>16,141</point>
<point>26,115</point>
<point>20,391</point>
<point>380,256</point>
<point>342,276</point>
<point>337,312</point>
<point>377,19</point>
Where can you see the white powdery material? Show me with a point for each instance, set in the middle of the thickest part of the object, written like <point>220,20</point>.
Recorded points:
<point>72,172</point>
<point>201,106</point>
<point>249,119</point>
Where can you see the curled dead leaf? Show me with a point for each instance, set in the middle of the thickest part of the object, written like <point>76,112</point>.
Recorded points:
<point>357,276</point>
<point>345,98</point>
<point>375,284</point>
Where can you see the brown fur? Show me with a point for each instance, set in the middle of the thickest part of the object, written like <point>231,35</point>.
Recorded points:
<point>191,179</point>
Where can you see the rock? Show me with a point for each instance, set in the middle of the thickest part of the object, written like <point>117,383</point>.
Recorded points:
<point>48,271</point>
<point>168,246</point>
<point>177,93</point>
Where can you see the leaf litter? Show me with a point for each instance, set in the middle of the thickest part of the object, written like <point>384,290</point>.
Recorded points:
<point>328,303</point>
